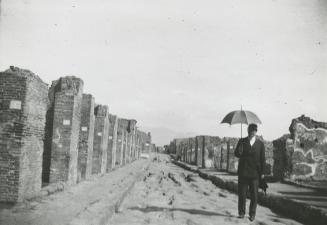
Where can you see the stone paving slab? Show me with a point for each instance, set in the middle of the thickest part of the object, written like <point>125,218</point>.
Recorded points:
<point>303,204</point>
<point>92,201</point>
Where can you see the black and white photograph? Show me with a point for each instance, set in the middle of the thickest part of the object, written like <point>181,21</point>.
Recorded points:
<point>163,112</point>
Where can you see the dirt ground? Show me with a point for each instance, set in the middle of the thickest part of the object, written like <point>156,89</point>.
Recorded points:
<point>168,194</point>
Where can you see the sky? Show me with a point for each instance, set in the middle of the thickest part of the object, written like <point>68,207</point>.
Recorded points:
<point>179,66</point>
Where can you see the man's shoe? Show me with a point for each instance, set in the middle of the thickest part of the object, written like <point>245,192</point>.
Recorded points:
<point>241,216</point>
<point>251,218</point>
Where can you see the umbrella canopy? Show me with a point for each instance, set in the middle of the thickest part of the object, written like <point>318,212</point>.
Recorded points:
<point>241,116</point>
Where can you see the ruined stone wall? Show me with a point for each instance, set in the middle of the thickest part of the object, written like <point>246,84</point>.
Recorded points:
<point>301,156</point>
<point>214,152</point>
<point>309,153</point>
<point>66,95</point>
<point>23,103</point>
<point>57,135</point>
<point>112,142</point>
<point>100,142</point>
<point>86,135</point>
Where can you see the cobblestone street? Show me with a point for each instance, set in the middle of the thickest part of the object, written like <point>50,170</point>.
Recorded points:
<point>169,194</point>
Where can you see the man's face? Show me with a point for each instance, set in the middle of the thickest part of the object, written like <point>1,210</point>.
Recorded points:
<point>252,133</point>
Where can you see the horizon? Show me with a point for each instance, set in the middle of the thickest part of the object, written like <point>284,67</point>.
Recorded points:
<point>179,65</point>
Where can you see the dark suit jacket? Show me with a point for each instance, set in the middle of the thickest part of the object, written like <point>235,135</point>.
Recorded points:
<point>252,159</point>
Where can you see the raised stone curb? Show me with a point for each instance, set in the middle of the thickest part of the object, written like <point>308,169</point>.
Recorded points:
<point>299,211</point>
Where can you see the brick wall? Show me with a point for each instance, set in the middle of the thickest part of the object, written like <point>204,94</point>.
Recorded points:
<point>86,135</point>
<point>100,141</point>
<point>23,103</point>
<point>66,96</point>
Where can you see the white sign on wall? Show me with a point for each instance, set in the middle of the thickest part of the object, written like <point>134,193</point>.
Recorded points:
<point>15,104</point>
<point>110,137</point>
<point>99,134</point>
<point>66,122</point>
<point>84,128</point>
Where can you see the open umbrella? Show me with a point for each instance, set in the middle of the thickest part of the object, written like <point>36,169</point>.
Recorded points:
<point>242,117</point>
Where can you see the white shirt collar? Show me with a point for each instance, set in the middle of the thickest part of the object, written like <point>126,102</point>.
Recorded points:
<point>252,140</point>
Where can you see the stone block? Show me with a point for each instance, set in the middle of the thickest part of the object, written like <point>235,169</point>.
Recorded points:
<point>23,105</point>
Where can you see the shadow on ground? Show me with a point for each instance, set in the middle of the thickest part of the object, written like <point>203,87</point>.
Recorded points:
<point>191,211</point>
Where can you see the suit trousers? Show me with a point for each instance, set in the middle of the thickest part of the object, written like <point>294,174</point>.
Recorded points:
<point>243,185</point>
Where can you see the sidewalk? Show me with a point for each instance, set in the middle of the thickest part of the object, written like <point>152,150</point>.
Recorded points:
<point>303,204</point>
<point>92,201</point>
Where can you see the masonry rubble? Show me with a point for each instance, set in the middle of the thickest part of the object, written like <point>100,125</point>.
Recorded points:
<point>49,135</point>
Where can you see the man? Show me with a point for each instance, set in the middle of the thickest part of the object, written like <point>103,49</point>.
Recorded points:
<point>251,154</point>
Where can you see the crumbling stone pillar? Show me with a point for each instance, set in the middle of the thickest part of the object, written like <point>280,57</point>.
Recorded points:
<point>65,109</point>
<point>132,130</point>
<point>112,142</point>
<point>308,150</point>
<point>199,150</point>
<point>23,104</point>
<point>86,135</point>
<point>224,156</point>
<point>120,143</point>
<point>125,139</point>
<point>100,142</point>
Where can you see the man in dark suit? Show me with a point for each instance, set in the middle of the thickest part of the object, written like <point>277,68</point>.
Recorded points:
<point>251,154</point>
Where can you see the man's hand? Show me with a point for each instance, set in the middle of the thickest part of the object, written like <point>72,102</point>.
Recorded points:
<point>262,176</point>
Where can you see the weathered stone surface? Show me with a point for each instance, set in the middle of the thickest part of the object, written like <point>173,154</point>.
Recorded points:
<point>86,135</point>
<point>121,133</point>
<point>199,146</point>
<point>23,104</point>
<point>65,96</point>
<point>100,140</point>
<point>301,169</point>
<point>131,129</point>
<point>307,122</point>
<point>310,150</point>
<point>112,142</point>
<point>302,157</point>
